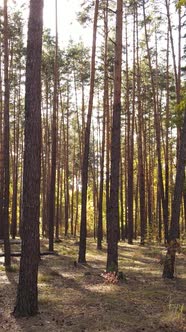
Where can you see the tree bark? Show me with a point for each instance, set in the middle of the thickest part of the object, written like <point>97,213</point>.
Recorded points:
<point>6,143</point>
<point>54,147</point>
<point>105,110</point>
<point>27,293</point>
<point>113,215</point>
<point>83,225</point>
<point>168,271</point>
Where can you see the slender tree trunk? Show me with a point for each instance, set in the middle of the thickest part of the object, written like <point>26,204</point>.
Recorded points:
<point>94,189</point>
<point>72,195</point>
<point>45,162</point>
<point>131,147</point>
<point>167,176</point>
<point>157,128</point>
<point>129,159</point>
<point>177,69</point>
<point>173,246</point>
<point>107,162</point>
<point>6,142</point>
<point>15,162</point>
<point>113,216</point>
<point>77,206</point>
<point>1,147</point>
<point>54,147</point>
<point>142,196</point>
<point>178,188</point>
<point>83,226</point>
<point>122,202</point>
<point>105,107</point>
<point>67,200</point>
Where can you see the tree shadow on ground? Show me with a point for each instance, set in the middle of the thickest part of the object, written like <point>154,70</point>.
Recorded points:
<point>77,298</point>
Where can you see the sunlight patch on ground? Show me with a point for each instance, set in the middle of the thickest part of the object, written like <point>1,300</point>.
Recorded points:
<point>4,280</point>
<point>142,269</point>
<point>173,318</point>
<point>2,259</point>
<point>67,275</point>
<point>94,256</point>
<point>102,288</point>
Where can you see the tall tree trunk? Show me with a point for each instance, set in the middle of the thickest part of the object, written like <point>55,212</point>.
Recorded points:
<point>54,146</point>
<point>94,188</point>
<point>16,161</point>
<point>178,188</point>
<point>72,195</point>
<point>27,293</point>
<point>167,175</point>
<point>45,163</point>
<point>83,225</point>
<point>77,206</point>
<point>6,142</point>
<point>105,107</point>
<point>157,126</point>
<point>129,181</point>
<point>107,160</point>
<point>122,201</point>
<point>177,69</point>
<point>142,197</point>
<point>66,171</point>
<point>113,216</point>
<point>59,185</point>
<point>1,149</point>
<point>173,246</point>
<point>131,146</point>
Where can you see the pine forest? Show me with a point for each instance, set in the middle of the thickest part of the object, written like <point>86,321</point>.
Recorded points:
<point>92,166</point>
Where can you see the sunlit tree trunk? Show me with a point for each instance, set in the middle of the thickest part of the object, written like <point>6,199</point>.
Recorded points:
<point>142,197</point>
<point>129,181</point>
<point>59,184</point>
<point>72,193</point>
<point>45,160</point>
<point>83,225</point>
<point>16,154</point>
<point>105,110</point>
<point>167,176</point>
<point>131,144</point>
<point>66,171</point>
<point>93,169</point>
<point>176,65</point>
<point>157,126</point>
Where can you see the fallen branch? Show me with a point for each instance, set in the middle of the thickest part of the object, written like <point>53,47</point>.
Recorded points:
<point>44,253</point>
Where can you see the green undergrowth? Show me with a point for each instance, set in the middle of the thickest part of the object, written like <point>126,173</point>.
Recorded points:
<point>2,268</point>
<point>13,268</point>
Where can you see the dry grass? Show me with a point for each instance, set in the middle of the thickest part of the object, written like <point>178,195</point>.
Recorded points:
<point>76,299</point>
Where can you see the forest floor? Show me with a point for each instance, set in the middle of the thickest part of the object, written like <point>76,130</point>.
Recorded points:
<point>78,298</point>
